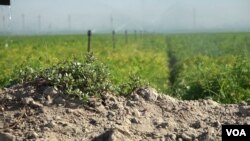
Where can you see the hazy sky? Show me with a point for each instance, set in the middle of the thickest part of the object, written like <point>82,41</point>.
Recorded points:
<point>102,15</point>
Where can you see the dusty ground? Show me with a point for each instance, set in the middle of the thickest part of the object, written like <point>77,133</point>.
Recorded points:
<point>46,115</point>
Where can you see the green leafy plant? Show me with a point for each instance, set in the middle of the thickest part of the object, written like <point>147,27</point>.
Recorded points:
<point>225,80</point>
<point>131,85</point>
<point>82,79</point>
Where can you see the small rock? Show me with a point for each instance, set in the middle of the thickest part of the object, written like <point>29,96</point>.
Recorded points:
<point>111,98</point>
<point>217,124</point>
<point>155,135</point>
<point>212,103</point>
<point>111,113</point>
<point>30,101</point>
<point>50,91</point>
<point>244,110</point>
<point>63,123</point>
<point>179,139</point>
<point>124,130</point>
<point>57,118</point>
<point>51,124</point>
<point>72,105</point>
<point>59,100</point>
<point>27,100</point>
<point>114,106</point>
<point>136,113</point>
<point>36,104</point>
<point>247,121</point>
<point>207,136</point>
<point>148,94</point>
<point>119,122</point>
<point>196,125</point>
<point>1,109</point>
<point>8,130</point>
<point>94,103</point>
<point>49,100</point>
<point>162,125</point>
<point>45,129</point>
<point>16,115</point>
<point>113,135</point>
<point>171,124</point>
<point>135,97</point>
<point>85,130</point>
<point>69,111</point>
<point>173,136</point>
<point>92,121</point>
<point>8,97</point>
<point>186,137</point>
<point>6,137</point>
<point>189,134</point>
<point>101,109</point>
<point>243,103</point>
<point>130,103</point>
<point>134,120</point>
<point>32,135</point>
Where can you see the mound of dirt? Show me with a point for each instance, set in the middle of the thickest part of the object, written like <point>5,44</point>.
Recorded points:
<point>47,115</point>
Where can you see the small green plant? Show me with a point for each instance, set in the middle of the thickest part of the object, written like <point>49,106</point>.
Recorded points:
<point>78,78</point>
<point>133,83</point>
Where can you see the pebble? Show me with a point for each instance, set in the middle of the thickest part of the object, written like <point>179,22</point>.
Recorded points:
<point>135,97</point>
<point>69,111</point>
<point>50,91</point>
<point>8,97</point>
<point>111,113</point>
<point>59,100</point>
<point>134,120</point>
<point>243,103</point>
<point>186,137</point>
<point>51,124</point>
<point>173,136</point>
<point>179,139</point>
<point>31,135</point>
<point>49,100</point>
<point>130,103</point>
<point>244,110</point>
<point>136,113</point>
<point>149,94</point>
<point>196,125</point>
<point>162,125</point>
<point>217,124</point>
<point>63,123</point>
<point>27,100</point>
<point>114,106</point>
<point>36,104</point>
<point>45,129</point>
<point>119,122</point>
<point>92,121</point>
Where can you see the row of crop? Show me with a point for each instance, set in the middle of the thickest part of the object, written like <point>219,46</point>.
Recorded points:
<point>144,57</point>
<point>211,65</point>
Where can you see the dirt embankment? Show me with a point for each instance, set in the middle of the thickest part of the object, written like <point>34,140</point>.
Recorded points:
<point>28,114</point>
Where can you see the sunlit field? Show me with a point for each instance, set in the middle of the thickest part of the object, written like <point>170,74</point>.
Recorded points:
<point>188,66</point>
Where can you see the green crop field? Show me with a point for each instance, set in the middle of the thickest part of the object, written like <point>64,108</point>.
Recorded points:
<point>188,66</point>
<point>211,65</point>
<point>147,59</point>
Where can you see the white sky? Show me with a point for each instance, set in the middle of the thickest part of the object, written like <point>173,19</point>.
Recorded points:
<point>149,15</point>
